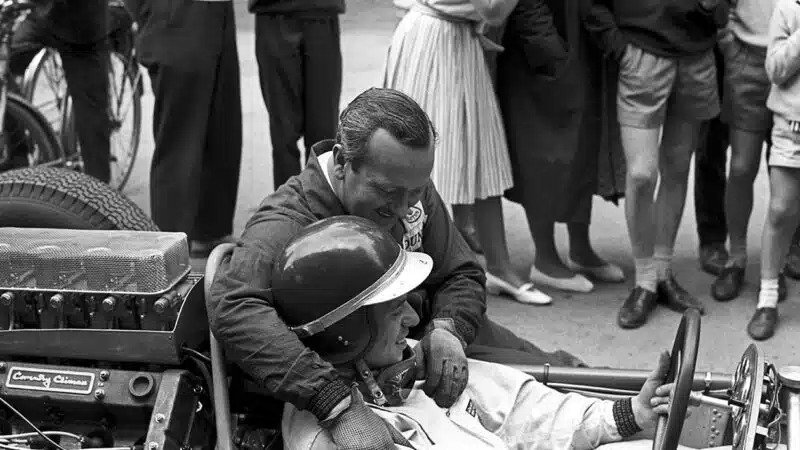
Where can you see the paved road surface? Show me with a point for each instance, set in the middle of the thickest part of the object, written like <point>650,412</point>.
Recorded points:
<point>582,324</point>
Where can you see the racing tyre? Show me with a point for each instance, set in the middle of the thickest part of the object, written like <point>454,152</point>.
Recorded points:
<point>50,197</point>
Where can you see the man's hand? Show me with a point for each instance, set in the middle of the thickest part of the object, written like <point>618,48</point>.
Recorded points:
<point>359,428</point>
<point>653,399</point>
<point>443,365</point>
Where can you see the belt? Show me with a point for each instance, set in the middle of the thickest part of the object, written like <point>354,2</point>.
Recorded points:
<point>478,28</point>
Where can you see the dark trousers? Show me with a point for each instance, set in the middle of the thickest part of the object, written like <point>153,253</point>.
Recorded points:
<point>78,31</point>
<point>189,49</point>
<point>300,69</point>
<point>710,175</point>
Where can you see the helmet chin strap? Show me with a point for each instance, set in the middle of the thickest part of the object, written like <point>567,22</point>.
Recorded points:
<point>390,385</point>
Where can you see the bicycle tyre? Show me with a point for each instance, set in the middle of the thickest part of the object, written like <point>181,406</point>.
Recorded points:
<point>53,197</point>
<point>67,131</point>
<point>38,129</point>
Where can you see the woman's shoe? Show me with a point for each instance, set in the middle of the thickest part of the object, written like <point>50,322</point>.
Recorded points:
<point>607,273</point>
<point>526,293</point>
<point>576,283</point>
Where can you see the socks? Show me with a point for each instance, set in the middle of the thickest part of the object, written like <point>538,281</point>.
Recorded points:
<point>738,254</point>
<point>646,275</point>
<point>768,295</point>
<point>662,258</point>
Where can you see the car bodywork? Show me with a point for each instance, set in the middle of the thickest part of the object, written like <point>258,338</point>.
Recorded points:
<point>104,338</point>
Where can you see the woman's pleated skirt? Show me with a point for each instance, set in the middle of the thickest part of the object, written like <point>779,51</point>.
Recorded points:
<point>442,66</point>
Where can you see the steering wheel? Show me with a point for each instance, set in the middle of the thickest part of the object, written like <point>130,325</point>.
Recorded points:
<point>681,372</point>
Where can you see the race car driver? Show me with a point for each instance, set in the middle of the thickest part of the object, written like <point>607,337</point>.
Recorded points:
<point>360,324</point>
<point>378,168</point>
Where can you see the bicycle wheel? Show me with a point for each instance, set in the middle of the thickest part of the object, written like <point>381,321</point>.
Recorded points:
<point>47,90</point>
<point>27,139</point>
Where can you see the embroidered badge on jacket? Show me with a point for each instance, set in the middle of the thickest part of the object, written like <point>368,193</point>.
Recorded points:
<point>414,222</point>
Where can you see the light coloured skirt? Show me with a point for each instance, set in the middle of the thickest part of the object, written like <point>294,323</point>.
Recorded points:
<point>442,66</point>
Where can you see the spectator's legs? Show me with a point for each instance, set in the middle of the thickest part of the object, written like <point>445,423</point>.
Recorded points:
<point>300,70</point>
<point>491,230</point>
<point>322,70</point>
<point>745,160</point>
<point>223,150</point>
<point>581,250</point>
<point>87,76</point>
<point>279,43</point>
<point>677,145</point>
<point>641,148</point>
<point>792,268</point>
<point>466,223</point>
<point>709,184</point>
<point>783,217</point>
<point>182,56</point>
<point>709,195</point>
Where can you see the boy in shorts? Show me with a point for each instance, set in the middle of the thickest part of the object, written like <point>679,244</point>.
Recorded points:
<point>744,47</point>
<point>667,90</point>
<point>782,66</point>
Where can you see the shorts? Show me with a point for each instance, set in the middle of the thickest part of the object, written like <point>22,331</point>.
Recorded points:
<point>785,151</point>
<point>652,86</point>
<point>746,86</point>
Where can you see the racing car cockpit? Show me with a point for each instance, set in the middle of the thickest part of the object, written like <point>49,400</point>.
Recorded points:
<point>105,344</point>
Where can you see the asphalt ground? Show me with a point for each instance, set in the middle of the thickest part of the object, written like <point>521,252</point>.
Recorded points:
<point>584,324</point>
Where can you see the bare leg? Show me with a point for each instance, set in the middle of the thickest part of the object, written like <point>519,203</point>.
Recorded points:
<point>745,160</point>
<point>782,219</point>
<point>641,156</point>
<point>677,145</point>
<point>492,234</point>
<point>464,219</point>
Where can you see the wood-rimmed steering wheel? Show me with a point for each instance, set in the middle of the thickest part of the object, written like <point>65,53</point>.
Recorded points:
<point>681,372</point>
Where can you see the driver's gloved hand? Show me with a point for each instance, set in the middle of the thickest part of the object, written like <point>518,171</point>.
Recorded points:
<point>442,363</point>
<point>358,428</point>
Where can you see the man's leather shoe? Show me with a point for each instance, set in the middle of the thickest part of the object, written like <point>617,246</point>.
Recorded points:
<point>675,297</point>
<point>792,266</point>
<point>762,325</point>
<point>728,284</point>
<point>713,258</point>
<point>636,308</point>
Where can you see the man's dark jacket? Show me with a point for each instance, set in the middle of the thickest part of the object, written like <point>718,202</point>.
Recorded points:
<point>240,306</point>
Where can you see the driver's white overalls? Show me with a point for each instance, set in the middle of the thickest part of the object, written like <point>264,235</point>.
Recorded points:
<point>501,408</point>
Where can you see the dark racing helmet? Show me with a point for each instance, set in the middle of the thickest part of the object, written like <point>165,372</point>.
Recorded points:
<point>332,269</point>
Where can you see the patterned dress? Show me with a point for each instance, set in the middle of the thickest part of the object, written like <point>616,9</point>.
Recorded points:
<point>437,58</point>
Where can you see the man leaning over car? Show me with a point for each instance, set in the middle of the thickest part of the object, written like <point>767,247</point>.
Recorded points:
<point>378,168</point>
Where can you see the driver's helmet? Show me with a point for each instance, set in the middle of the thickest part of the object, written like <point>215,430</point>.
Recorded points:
<point>329,271</point>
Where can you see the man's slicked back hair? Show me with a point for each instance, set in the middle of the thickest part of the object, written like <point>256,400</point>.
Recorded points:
<point>378,108</point>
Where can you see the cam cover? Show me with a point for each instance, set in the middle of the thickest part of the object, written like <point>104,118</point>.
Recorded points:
<point>92,261</point>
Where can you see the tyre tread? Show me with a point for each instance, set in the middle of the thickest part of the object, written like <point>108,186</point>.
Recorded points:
<point>100,206</point>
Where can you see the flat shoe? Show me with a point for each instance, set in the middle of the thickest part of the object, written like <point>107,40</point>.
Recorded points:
<point>576,283</point>
<point>526,294</point>
<point>607,273</point>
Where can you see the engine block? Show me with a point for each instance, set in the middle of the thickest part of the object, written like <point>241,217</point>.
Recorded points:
<point>97,331</point>
<point>121,296</point>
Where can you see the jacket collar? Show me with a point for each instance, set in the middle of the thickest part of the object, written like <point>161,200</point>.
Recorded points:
<point>322,200</point>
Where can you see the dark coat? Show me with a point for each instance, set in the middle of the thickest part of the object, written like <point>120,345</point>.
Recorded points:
<point>557,94</point>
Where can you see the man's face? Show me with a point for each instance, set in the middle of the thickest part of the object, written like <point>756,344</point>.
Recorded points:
<point>390,180</point>
<point>394,319</point>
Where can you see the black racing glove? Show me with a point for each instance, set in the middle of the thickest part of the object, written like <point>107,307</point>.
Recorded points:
<point>442,363</point>
<point>359,428</point>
